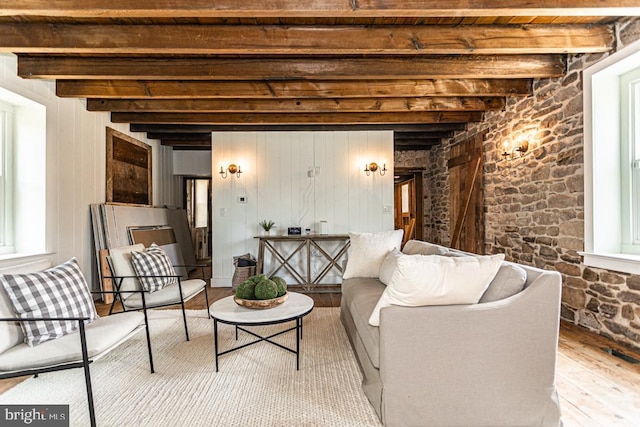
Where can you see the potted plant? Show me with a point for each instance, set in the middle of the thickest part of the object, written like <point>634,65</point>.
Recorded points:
<point>266,226</point>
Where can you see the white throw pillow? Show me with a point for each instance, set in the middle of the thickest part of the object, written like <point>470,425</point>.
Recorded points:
<point>437,280</point>
<point>389,266</point>
<point>368,250</point>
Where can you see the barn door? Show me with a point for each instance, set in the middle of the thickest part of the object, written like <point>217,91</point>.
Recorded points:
<point>467,195</point>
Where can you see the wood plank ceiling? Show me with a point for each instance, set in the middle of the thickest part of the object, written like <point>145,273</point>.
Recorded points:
<point>180,69</point>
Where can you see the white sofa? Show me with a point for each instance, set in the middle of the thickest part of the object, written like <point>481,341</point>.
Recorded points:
<point>486,364</point>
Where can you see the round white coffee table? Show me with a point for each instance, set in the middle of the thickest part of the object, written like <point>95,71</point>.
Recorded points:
<point>227,311</point>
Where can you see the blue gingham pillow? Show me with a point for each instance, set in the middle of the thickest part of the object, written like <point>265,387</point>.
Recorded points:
<point>60,291</point>
<point>153,262</point>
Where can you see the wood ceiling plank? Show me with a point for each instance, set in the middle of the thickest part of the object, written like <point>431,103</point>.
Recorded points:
<point>290,89</point>
<point>299,105</point>
<point>422,117</point>
<point>309,8</point>
<point>397,127</point>
<point>370,68</point>
<point>303,40</point>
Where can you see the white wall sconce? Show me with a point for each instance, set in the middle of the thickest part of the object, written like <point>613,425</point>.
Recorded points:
<point>373,167</point>
<point>516,151</point>
<point>231,169</point>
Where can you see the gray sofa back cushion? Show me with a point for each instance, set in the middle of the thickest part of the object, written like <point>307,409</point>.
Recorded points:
<point>509,280</point>
<point>418,247</point>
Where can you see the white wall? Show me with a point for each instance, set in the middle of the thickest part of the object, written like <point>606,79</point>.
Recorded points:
<point>277,187</point>
<point>76,167</point>
<point>192,163</point>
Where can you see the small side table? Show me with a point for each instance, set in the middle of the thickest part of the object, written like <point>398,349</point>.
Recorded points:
<point>227,311</point>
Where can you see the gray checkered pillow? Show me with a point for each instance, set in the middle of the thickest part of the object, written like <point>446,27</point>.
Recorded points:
<point>153,262</point>
<point>60,291</point>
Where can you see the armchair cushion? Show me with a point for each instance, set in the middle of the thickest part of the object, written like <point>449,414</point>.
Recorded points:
<point>167,295</point>
<point>153,262</point>
<point>102,335</point>
<point>121,261</point>
<point>60,291</point>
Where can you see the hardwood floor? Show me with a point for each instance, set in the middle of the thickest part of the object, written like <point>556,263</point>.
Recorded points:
<point>596,388</point>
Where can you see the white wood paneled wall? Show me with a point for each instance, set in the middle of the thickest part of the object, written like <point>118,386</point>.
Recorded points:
<point>76,167</point>
<point>192,163</point>
<point>276,185</point>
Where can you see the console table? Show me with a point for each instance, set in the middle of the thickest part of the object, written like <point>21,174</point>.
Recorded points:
<point>305,245</point>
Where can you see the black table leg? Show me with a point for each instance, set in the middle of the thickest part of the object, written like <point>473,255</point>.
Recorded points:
<point>298,336</point>
<point>215,340</point>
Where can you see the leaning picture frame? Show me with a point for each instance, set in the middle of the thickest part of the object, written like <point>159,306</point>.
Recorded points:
<point>128,170</point>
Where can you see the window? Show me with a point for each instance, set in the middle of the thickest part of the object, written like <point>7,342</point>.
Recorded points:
<point>22,176</point>
<point>6,216</point>
<point>612,161</point>
<point>630,160</point>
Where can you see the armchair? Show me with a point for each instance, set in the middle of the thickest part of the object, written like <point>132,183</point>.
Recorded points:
<point>133,297</point>
<point>76,349</point>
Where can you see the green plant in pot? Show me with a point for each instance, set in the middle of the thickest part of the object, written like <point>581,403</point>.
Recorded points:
<point>267,226</point>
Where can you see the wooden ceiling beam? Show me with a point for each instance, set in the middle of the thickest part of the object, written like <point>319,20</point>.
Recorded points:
<point>415,147</point>
<point>314,8</point>
<point>180,143</point>
<point>144,89</point>
<point>299,105</point>
<point>299,118</point>
<point>180,136</point>
<point>372,68</point>
<point>397,127</point>
<point>410,142</point>
<point>303,40</point>
<point>405,136</point>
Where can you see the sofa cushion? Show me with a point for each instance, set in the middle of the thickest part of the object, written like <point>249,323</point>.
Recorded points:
<point>389,266</point>
<point>360,296</point>
<point>368,250</point>
<point>509,281</point>
<point>61,291</point>
<point>153,262</point>
<point>437,280</point>
<point>102,334</point>
<point>418,247</point>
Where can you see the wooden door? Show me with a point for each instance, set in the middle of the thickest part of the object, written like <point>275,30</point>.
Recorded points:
<point>408,181</point>
<point>467,195</point>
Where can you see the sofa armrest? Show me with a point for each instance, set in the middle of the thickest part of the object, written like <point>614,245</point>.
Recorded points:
<point>456,359</point>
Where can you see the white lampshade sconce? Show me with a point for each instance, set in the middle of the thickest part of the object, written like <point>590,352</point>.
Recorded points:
<point>373,167</point>
<point>231,169</point>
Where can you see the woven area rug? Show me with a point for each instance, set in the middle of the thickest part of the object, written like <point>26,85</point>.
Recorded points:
<point>255,386</point>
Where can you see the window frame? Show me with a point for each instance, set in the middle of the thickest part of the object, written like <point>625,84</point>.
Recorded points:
<point>606,210</point>
<point>6,181</point>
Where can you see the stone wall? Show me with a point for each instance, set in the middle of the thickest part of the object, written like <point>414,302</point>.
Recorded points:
<point>535,204</point>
